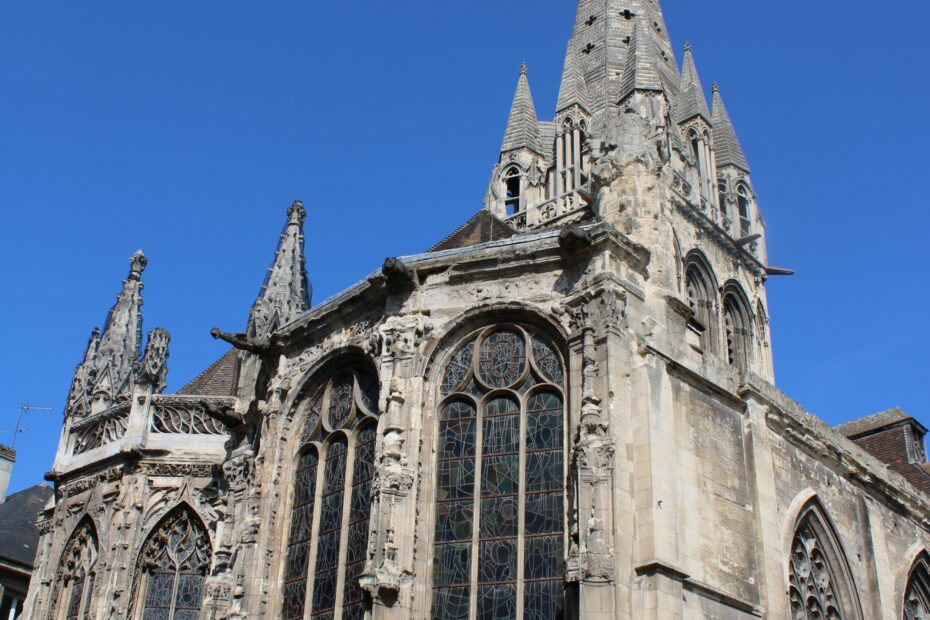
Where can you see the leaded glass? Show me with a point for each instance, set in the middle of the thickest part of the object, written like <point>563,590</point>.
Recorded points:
<point>811,578</point>
<point>502,358</point>
<point>547,361</point>
<point>298,552</point>
<point>458,368</point>
<point>484,446</point>
<point>327,552</point>
<point>341,398</point>
<point>77,591</point>
<point>312,421</point>
<point>357,540</point>
<point>175,560</point>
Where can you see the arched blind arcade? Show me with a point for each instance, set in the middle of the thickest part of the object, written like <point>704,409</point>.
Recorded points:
<point>328,537</point>
<point>500,490</point>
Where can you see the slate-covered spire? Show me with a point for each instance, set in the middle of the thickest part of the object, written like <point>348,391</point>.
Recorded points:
<point>727,148</point>
<point>523,125</point>
<point>286,292</point>
<point>573,90</point>
<point>641,72</point>
<point>691,101</point>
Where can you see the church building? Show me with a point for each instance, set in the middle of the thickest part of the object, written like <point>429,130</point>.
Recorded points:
<point>566,409</point>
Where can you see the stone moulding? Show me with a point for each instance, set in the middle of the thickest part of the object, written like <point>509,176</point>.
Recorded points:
<point>98,430</point>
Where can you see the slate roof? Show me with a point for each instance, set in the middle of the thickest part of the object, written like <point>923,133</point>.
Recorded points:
<point>573,89</point>
<point>641,72</point>
<point>691,101</point>
<point>523,125</point>
<point>481,228</point>
<point>727,149</point>
<point>19,537</point>
<point>220,379</point>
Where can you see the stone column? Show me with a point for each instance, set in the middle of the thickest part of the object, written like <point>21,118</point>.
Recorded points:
<point>576,154</point>
<point>559,164</point>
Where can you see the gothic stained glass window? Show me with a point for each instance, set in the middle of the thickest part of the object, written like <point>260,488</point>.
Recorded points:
<point>328,540</point>
<point>174,563</point>
<point>499,537</point>
<point>819,587</point>
<point>917,595</point>
<point>77,572</point>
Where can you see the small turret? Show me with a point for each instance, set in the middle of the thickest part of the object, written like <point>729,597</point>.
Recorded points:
<point>573,91</point>
<point>286,291</point>
<point>522,126</point>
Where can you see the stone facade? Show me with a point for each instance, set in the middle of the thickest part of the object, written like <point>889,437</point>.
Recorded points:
<point>575,419</point>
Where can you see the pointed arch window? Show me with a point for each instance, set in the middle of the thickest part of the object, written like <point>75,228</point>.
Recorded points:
<point>78,573</point>
<point>917,594</point>
<point>173,566</point>
<point>513,189</point>
<point>701,299</point>
<point>744,203</point>
<point>500,490</point>
<point>820,584</point>
<point>569,145</point>
<point>328,540</point>
<point>737,324</point>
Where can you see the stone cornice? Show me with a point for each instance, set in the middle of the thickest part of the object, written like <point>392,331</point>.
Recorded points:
<point>814,436</point>
<point>724,240</point>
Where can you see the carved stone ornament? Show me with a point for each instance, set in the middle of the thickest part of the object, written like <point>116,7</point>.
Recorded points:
<point>237,471</point>
<point>100,429</point>
<point>152,369</point>
<point>185,416</point>
<point>392,476</point>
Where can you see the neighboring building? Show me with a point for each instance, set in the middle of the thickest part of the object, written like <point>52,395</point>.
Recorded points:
<point>565,409</point>
<point>19,536</point>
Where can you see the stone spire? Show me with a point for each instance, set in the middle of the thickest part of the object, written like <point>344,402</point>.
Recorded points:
<point>727,148</point>
<point>573,90</point>
<point>106,374</point>
<point>690,100</point>
<point>641,71</point>
<point>286,292</point>
<point>523,125</point>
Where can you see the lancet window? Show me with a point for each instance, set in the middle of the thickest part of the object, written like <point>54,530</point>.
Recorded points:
<point>568,156</point>
<point>702,301</point>
<point>738,331</point>
<point>743,203</point>
<point>819,583</point>
<point>917,595</point>
<point>78,573</point>
<point>331,504</point>
<point>173,566</point>
<point>500,489</point>
<point>513,182</point>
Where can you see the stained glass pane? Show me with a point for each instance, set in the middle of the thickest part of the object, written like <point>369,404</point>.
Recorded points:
<point>357,539</point>
<point>544,600</point>
<point>368,391</point>
<point>190,591</point>
<point>161,589</point>
<point>497,602</point>
<point>312,421</point>
<point>547,361</point>
<point>456,479</point>
<point>502,358</point>
<point>156,613</point>
<point>497,561</point>
<point>298,552</point>
<point>544,471</point>
<point>456,438</point>
<point>452,564</point>
<point>451,603</point>
<point>457,369</point>
<point>543,513</point>
<point>341,397</point>
<point>74,603</point>
<point>544,557</point>
<point>327,552</point>
<point>458,410</point>
<point>454,520</point>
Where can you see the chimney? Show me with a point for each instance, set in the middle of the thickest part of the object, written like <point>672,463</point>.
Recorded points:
<point>7,458</point>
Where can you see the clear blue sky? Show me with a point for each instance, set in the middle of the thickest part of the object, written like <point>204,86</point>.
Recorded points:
<point>187,128</point>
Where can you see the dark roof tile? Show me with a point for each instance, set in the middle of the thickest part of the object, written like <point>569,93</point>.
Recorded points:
<point>18,515</point>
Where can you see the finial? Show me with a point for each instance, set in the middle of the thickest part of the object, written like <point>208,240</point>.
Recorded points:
<point>715,87</point>
<point>296,213</point>
<point>137,265</point>
<point>687,46</point>
<point>523,68</point>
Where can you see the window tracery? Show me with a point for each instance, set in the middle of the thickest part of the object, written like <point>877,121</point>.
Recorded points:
<point>78,572</point>
<point>513,181</point>
<point>701,300</point>
<point>173,566</point>
<point>332,499</point>
<point>500,479</point>
<point>917,594</point>
<point>818,579</point>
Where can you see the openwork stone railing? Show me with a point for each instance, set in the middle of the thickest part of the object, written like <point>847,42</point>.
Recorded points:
<point>100,429</point>
<point>187,416</point>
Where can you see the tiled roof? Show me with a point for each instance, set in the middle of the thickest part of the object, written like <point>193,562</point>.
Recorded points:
<point>481,228</point>
<point>19,537</point>
<point>220,379</point>
<point>876,422</point>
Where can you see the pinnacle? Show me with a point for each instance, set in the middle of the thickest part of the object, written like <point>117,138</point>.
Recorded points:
<point>691,99</point>
<point>137,265</point>
<point>573,89</point>
<point>523,125</point>
<point>728,150</point>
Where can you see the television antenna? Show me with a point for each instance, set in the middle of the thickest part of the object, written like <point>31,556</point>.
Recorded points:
<point>23,409</point>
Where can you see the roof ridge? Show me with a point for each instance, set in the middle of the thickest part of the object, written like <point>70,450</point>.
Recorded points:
<point>207,370</point>
<point>457,230</point>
